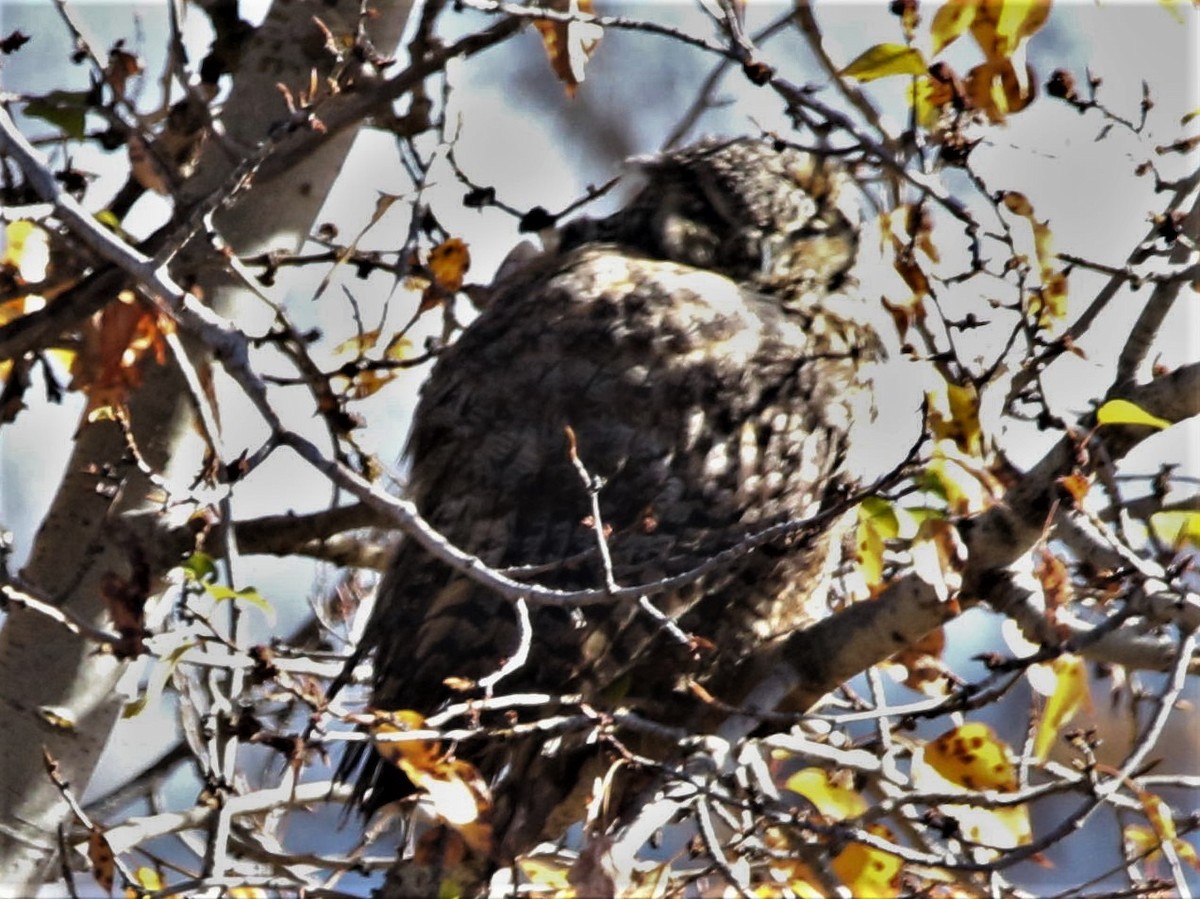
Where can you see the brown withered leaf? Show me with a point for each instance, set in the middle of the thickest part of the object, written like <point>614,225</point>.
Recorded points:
<point>104,863</point>
<point>117,342</point>
<point>1052,573</point>
<point>122,65</point>
<point>569,45</point>
<point>1076,485</point>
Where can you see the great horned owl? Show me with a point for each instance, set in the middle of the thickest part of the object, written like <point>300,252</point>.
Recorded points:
<point>685,346</point>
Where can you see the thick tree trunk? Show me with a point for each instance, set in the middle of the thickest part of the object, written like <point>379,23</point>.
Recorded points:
<point>87,533</point>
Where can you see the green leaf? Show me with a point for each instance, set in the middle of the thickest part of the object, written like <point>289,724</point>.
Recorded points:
<point>66,110</point>
<point>1123,412</point>
<point>883,60</point>
<point>882,516</point>
<point>221,593</point>
<point>200,567</point>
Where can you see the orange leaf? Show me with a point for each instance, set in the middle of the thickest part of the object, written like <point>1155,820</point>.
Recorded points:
<point>26,250</point>
<point>448,263</point>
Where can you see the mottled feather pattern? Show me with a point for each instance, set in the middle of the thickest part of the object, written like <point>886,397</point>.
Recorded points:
<point>685,342</point>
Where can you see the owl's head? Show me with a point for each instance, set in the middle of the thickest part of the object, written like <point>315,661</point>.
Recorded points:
<point>761,212</point>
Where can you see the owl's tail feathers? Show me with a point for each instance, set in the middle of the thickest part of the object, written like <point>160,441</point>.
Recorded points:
<point>375,782</point>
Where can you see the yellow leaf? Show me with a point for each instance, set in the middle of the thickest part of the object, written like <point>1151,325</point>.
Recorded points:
<point>1048,303</point>
<point>962,424</point>
<point>398,348</point>
<point>26,250</point>
<point>1177,527</point>
<point>369,382</point>
<point>928,96</point>
<point>359,343</point>
<point>883,60</point>
<point>830,798</point>
<point>870,547</point>
<point>58,716</point>
<point>937,554</point>
<point>1162,830</point>
<point>1070,694</point>
<point>420,753</point>
<point>1158,813</point>
<point>148,879</point>
<point>877,522</point>
<point>974,757</point>
<point>1146,842</point>
<point>451,795</point>
<point>547,875</point>
<point>999,26</point>
<point>955,482</point>
<point>221,593</point>
<point>868,871</point>
<point>1043,245</point>
<point>1140,840</point>
<point>950,21</point>
<point>1002,827</point>
<point>1123,412</point>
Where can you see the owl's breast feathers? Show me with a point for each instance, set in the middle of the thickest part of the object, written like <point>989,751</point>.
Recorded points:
<point>709,411</point>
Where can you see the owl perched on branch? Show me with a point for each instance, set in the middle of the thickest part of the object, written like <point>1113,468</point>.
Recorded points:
<point>678,362</point>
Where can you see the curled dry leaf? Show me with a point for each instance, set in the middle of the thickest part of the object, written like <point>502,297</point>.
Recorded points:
<point>569,45</point>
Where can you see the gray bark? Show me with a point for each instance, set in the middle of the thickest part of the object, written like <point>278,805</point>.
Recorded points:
<point>88,531</point>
